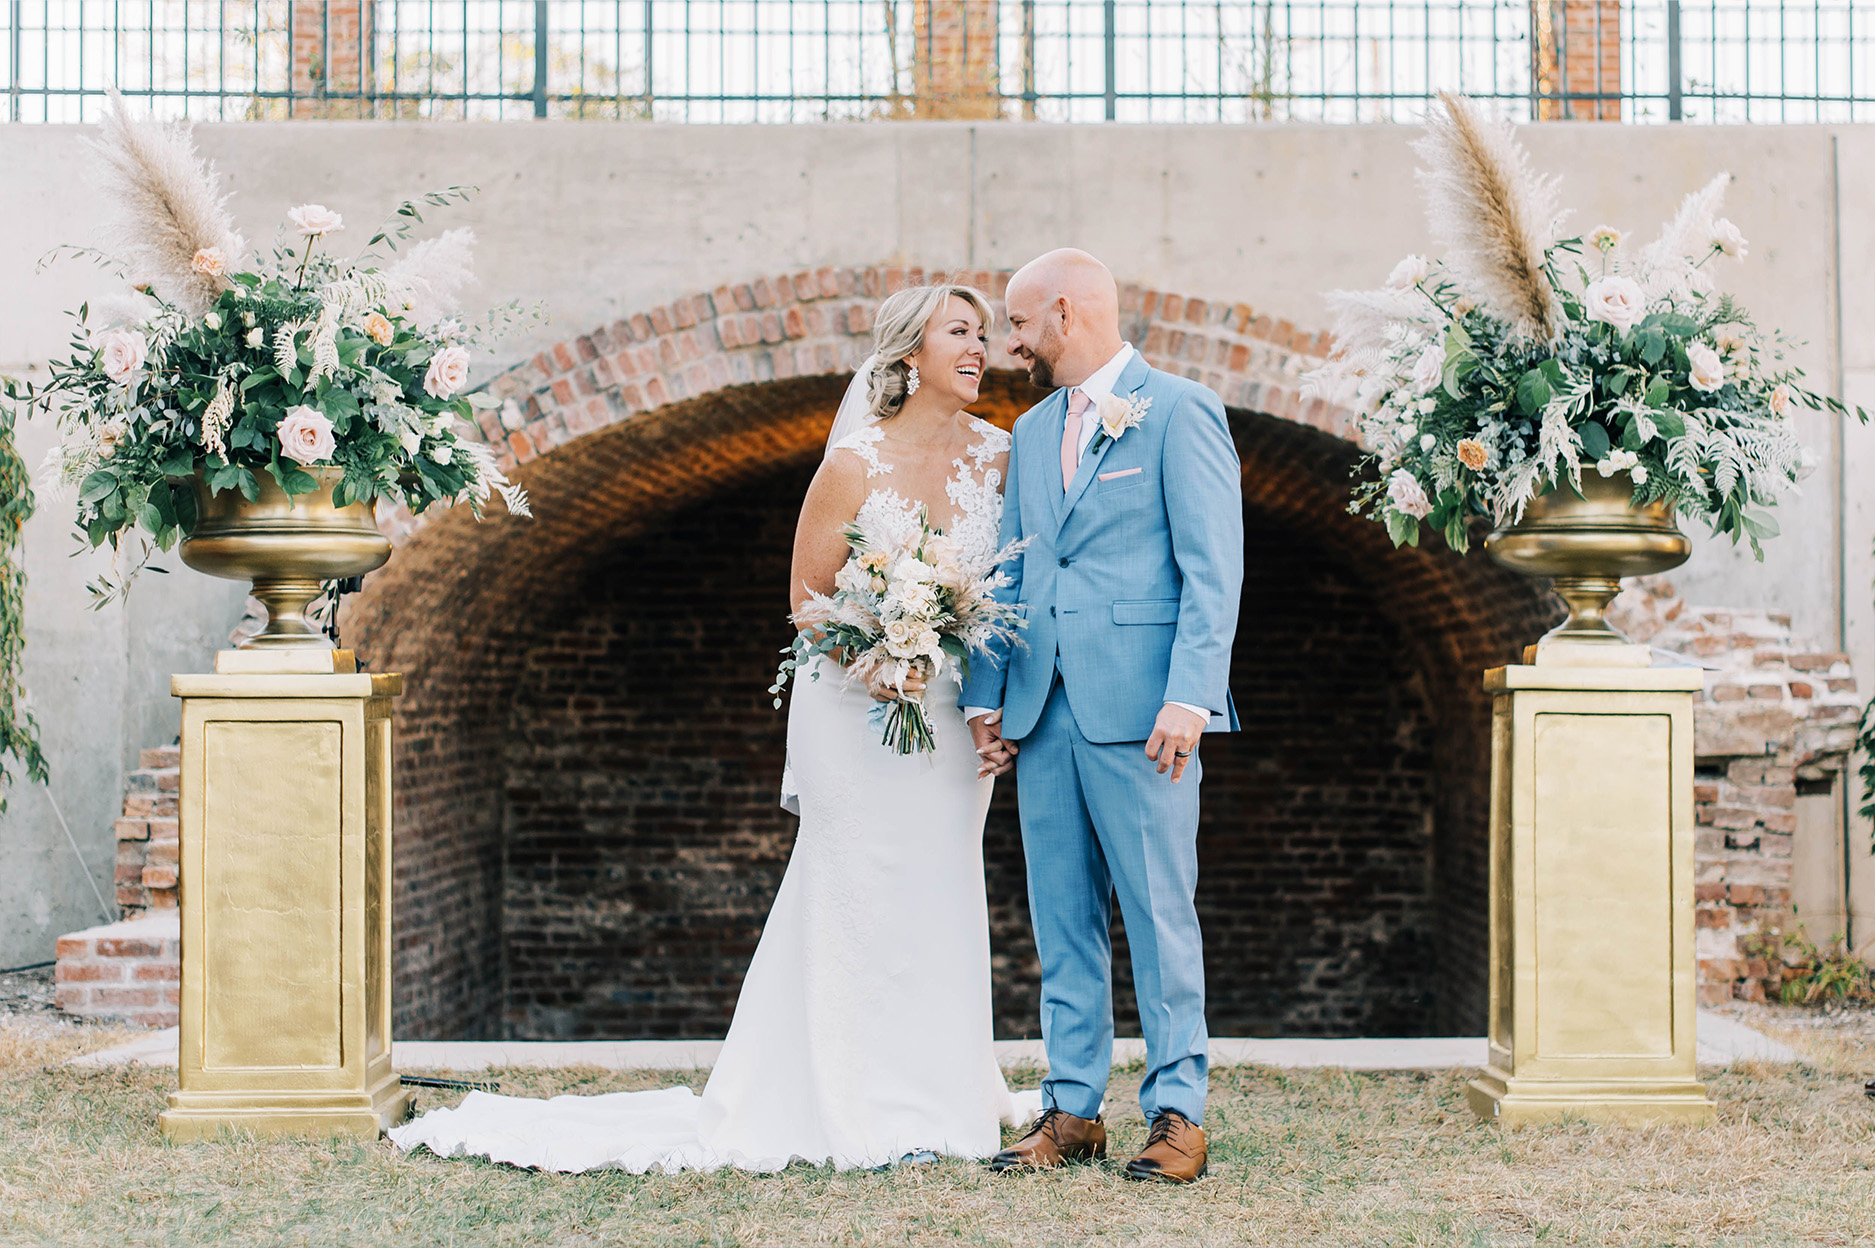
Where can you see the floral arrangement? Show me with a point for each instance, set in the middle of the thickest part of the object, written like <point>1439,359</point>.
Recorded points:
<point>223,364</point>
<point>905,603</point>
<point>1523,358</point>
<point>19,731</point>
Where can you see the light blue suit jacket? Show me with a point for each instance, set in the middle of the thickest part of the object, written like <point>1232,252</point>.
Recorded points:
<point>1131,578</point>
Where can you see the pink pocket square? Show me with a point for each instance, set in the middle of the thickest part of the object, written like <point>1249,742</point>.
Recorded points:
<point>1124,472</point>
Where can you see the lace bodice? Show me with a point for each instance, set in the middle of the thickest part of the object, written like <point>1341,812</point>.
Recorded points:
<point>975,489</point>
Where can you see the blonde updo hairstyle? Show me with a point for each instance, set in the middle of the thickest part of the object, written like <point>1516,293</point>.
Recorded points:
<point>898,334</point>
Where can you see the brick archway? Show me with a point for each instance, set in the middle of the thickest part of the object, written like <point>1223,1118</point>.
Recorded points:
<point>622,431</point>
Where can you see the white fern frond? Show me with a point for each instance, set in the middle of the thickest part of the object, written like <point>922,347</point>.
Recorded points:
<point>216,418</point>
<point>1495,216</point>
<point>430,277</point>
<point>286,346</point>
<point>325,343</point>
<point>163,206</point>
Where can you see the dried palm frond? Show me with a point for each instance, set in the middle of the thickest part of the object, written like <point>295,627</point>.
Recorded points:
<point>163,207</point>
<point>1365,327</point>
<point>1494,216</point>
<point>432,274</point>
<point>1669,264</point>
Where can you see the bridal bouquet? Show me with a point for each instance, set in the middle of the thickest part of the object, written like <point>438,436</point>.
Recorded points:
<point>906,603</point>
<point>1524,358</point>
<point>223,364</point>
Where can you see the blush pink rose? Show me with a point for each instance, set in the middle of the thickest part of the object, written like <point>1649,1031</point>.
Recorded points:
<point>448,372</point>
<point>306,435</point>
<point>315,219</point>
<point>121,353</point>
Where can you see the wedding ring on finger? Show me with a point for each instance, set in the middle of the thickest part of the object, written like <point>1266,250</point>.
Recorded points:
<point>1181,753</point>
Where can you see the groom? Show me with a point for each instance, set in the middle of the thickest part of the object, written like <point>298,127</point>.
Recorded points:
<point>1127,488</point>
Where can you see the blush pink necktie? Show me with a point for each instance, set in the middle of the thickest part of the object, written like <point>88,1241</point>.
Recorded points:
<point>1078,403</point>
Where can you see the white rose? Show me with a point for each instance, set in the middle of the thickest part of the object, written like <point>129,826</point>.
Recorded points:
<point>1620,460</point>
<point>410,439</point>
<point>121,353</point>
<point>256,337</point>
<point>316,220</point>
<point>448,372</point>
<point>1427,441</point>
<point>443,454</point>
<point>1429,369</point>
<point>929,643</point>
<point>1404,492</point>
<point>1780,400</point>
<point>898,632</point>
<point>1409,273</point>
<point>212,320</point>
<point>1639,474</point>
<point>850,578</point>
<point>1728,239</point>
<point>1705,369</point>
<point>1616,301</point>
<point>306,435</point>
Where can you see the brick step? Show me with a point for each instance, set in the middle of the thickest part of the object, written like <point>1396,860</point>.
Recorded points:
<point>160,758</point>
<point>126,972</point>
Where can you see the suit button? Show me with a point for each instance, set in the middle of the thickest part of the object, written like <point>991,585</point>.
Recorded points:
<point>1065,561</point>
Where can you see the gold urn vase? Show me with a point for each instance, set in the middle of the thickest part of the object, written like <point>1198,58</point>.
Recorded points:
<point>1586,542</point>
<point>288,547</point>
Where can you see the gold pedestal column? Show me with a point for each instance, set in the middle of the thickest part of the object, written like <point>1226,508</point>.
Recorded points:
<point>1592,970</point>
<point>286,903</point>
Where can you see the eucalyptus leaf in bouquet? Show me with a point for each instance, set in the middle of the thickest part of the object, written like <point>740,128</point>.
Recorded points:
<point>222,364</point>
<point>1525,358</point>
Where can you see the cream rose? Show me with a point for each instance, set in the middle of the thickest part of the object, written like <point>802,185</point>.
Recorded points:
<point>1615,301</point>
<point>109,436</point>
<point>1409,273</point>
<point>1429,369</point>
<point>379,329</point>
<point>929,643</point>
<point>1728,239</point>
<point>1780,400</point>
<point>1705,368</point>
<point>121,353</point>
<point>256,337</point>
<point>209,260</point>
<point>1404,492</point>
<point>448,372</point>
<point>1472,454</point>
<point>315,220</point>
<point>306,435</point>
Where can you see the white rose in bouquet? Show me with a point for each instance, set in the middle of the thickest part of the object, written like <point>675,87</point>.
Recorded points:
<point>121,354</point>
<point>1615,301</point>
<point>1409,273</point>
<point>1705,368</point>
<point>306,435</point>
<point>929,644</point>
<point>316,220</point>
<point>1429,369</point>
<point>1404,491</point>
<point>1728,238</point>
<point>448,372</point>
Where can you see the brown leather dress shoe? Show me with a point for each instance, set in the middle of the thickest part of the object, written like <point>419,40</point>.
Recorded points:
<point>1175,1151</point>
<point>1056,1139</point>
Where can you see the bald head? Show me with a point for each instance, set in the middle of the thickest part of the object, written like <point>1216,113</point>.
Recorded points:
<point>1064,317</point>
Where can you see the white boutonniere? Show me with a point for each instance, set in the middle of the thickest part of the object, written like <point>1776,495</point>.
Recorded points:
<point>1117,415</point>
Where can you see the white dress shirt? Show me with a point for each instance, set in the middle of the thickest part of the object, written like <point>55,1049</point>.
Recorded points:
<point>1099,385</point>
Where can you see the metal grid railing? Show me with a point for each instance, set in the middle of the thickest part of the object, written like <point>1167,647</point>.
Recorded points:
<point>1051,60</point>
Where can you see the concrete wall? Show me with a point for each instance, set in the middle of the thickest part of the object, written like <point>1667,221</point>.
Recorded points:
<point>597,219</point>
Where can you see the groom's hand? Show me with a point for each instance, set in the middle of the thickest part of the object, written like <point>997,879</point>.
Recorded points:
<point>1174,739</point>
<point>995,755</point>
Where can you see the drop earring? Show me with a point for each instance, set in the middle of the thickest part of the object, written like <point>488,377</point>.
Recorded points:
<point>911,381</point>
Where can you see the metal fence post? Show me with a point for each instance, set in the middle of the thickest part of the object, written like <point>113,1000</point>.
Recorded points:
<point>13,58</point>
<point>1675,80</point>
<point>540,58</point>
<point>1113,97</point>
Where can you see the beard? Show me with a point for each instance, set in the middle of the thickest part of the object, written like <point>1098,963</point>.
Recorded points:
<point>1041,360</point>
<point>1041,373</point>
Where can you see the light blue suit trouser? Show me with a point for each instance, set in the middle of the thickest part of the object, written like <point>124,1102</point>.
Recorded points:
<point>1099,820</point>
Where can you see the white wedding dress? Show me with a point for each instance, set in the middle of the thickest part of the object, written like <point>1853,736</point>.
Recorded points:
<point>863,1032</point>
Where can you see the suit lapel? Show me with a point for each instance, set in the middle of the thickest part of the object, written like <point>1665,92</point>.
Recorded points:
<point>1132,377</point>
<point>1057,419</point>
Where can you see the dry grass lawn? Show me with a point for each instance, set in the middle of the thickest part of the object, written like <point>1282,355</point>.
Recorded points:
<point>1318,1158</point>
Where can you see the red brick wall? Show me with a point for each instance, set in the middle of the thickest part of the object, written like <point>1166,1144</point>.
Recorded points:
<point>331,42</point>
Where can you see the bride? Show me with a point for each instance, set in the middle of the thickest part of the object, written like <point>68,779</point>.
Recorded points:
<point>862,1036</point>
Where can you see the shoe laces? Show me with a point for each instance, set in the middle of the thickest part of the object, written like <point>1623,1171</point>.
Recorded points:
<point>1162,1125</point>
<point>1046,1125</point>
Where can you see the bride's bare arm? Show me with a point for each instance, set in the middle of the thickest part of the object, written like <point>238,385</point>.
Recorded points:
<point>820,548</point>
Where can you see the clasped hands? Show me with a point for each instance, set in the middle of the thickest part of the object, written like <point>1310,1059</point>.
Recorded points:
<point>1172,746</point>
